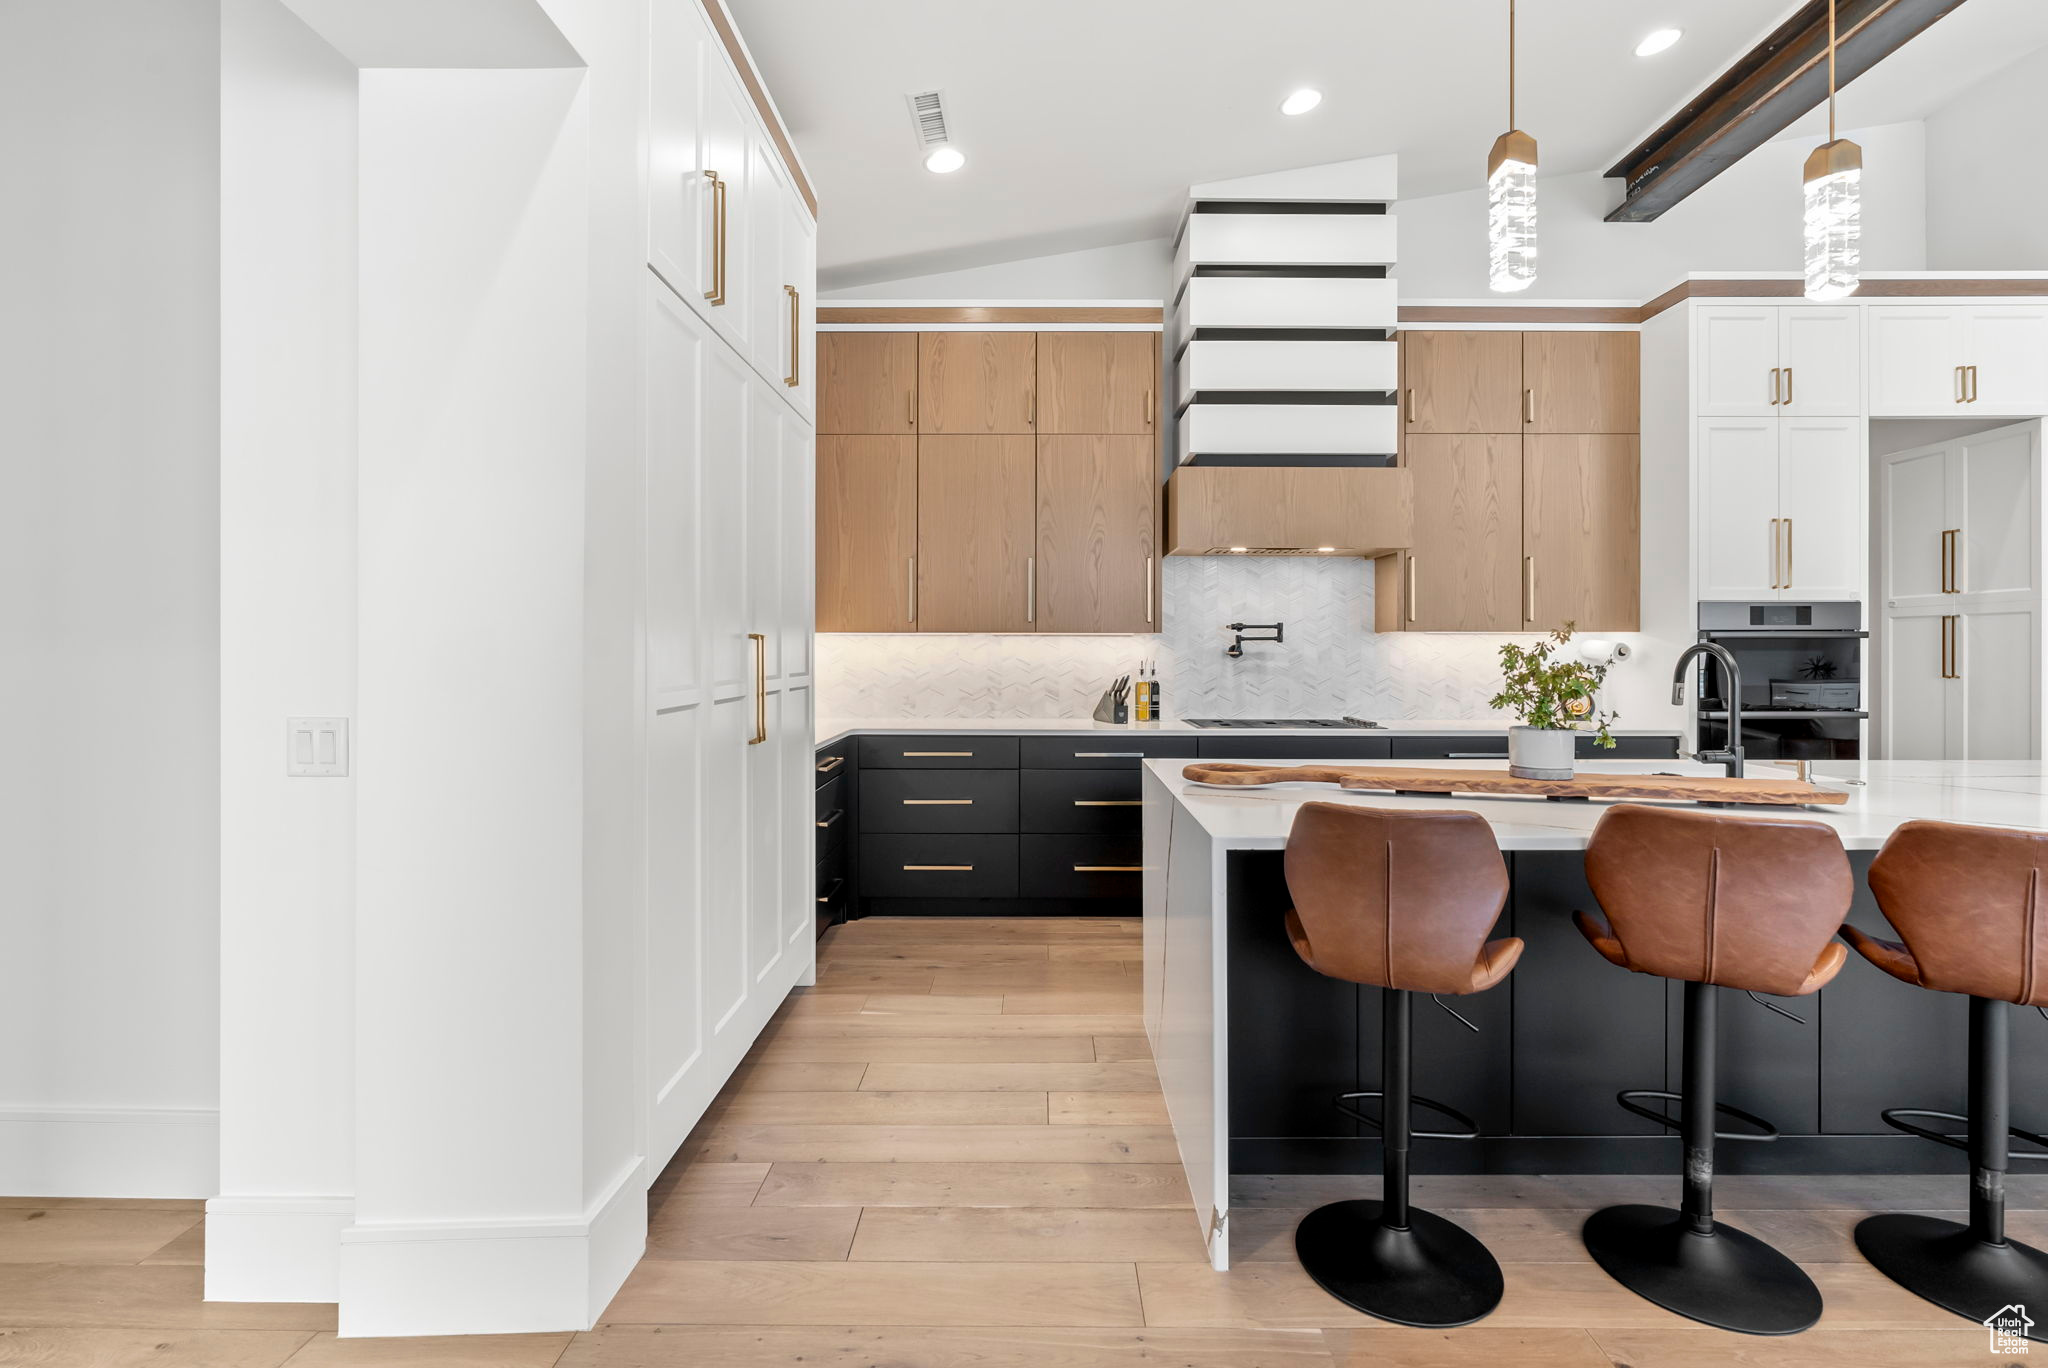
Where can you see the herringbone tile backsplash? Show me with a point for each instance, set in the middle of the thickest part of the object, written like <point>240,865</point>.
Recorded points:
<point>1331,664</point>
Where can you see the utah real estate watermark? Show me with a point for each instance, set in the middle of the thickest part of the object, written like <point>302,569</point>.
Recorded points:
<point>2009,1328</point>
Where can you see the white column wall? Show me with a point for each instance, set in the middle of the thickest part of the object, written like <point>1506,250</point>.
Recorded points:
<point>470,1207</point>
<point>109,620</point>
<point>288,630</point>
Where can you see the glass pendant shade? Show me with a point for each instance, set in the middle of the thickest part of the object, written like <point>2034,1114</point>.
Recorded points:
<point>1834,220</point>
<point>1511,212</point>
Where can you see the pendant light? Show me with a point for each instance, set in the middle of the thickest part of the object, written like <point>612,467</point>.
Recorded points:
<point>1511,196</point>
<point>1834,204</point>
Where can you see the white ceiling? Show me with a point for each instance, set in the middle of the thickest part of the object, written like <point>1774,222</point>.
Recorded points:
<point>1084,121</point>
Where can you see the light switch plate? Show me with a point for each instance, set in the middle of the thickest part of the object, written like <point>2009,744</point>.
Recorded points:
<point>316,747</point>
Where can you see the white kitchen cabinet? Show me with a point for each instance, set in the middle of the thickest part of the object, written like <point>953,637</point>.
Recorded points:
<point>800,275</point>
<point>1954,360</point>
<point>1963,685</point>
<point>1913,499</point>
<point>1778,508</point>
<point>1288,429</point>
<point>1791,361</point>
<point>1285,240</point>
<point>1288,366</point>
<point>682,50</point>
<point>1284,302</point>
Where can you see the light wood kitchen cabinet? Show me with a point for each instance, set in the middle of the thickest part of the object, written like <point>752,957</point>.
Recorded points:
<point>1578,382</point>
<point>1463,571</point>
<point>977,382</point>
<point>1098,383</point>
<point>1581,531</point>
<point>1097,551</point>
<point>868,383</point>
<point>1328,510</point>
<point>867,534</point>
<point>1461,381</point>
<point>976,514</point>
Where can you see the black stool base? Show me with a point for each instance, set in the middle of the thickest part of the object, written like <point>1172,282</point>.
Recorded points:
<point>1949,1266</point>
<point>1433,1274</point>
<point>1730,1280</point>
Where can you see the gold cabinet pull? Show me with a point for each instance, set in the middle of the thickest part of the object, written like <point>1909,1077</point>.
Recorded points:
<point>1962,389</point>
<point>914,869</point>
<point>760,688</point>
<point>716,294</point>
<point>914,755</point>
<point>1788,554</point>
<point>1148,589</point>
<point>1950,666</point>
<point>1777,386</point>
<point>938,802</point>
<point>1409,406</point>
<point>910,408</point>
<point>837,813</point>
<point>1411,588</point>
<point>1973,396</point>
<point>910,608</point>
<point>829,894</point>
<point>1148,408</point>
<point>1948,559</point>
<point>1776,551</point>
<point>1529,588</point>
<point>1109,802</point>
<point>830,763</point>
<point>1529,407</point>
<point>796,332</point>
<point>1788,386</point>
<point>1109,755</point>
<point>1109,869</point>
<point>1031,589</point>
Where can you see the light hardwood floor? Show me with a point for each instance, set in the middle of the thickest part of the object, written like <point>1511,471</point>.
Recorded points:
<point>953,1153</point>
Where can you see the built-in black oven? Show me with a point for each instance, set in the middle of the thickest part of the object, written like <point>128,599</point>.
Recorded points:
<point>1801,666</point>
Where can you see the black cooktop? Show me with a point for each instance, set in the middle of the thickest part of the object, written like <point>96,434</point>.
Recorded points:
<point>1256,723</point>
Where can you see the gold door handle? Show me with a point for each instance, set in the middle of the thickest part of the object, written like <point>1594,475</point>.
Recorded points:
<point>1529,588</point>
<point>829,894</point>
<point>837,813</point>
<point>910,608</point>
<point>1955,646</point>
<point>1408,407</point>
<point>919,868</point>
<point>938,802</point>
<point>1031,589</point>
<point>1411,588</point>
<point>1777,386</point>
<point>1973,389</point>
<point>1031,407</point>
<point>957,755</point>
<point>760,687</point>
<point>1148,408</point>
<point>716,294</point>
<point>910,409</point>
<point>796,332</point>
<point>1948,647</point>
<point>1948,561</point>
<point>1109,802</point>
<point>1529,407</point>
<point>830,763</point>
<point>1776,551</point>
<point>1788,555</point>
<point>1109,869</point>
<point>1788,386</point>
<point>1962,389</point>
<point>1148,589</point>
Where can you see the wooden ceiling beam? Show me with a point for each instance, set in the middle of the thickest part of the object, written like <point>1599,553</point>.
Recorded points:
<point>1764,93</point>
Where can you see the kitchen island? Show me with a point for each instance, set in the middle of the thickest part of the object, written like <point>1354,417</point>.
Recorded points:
<point>1252,1045</point>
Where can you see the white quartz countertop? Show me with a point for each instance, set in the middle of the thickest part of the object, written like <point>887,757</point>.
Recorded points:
<point>1882,795</point>
<point>833,728</point>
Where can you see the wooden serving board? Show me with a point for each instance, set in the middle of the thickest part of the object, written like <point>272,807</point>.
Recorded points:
<point>1669,788</point>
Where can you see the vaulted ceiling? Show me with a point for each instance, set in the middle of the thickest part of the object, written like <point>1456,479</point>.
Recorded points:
<point>1084,121</point>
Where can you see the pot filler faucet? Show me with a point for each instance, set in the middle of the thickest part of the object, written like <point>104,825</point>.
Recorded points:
<point>1730,758</point>
<point>1238,629</point>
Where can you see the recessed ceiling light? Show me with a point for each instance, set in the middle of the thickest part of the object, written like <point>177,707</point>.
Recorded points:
<point>1237,550</point>
<point>944,159</point>
<point>1326,550</point>
<point>1658,41</point>
<point>1301,101</point>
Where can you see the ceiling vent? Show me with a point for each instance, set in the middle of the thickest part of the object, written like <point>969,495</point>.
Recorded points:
<point>928,118</point>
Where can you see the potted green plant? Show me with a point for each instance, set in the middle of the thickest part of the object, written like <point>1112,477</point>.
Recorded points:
<point>1555,697</point>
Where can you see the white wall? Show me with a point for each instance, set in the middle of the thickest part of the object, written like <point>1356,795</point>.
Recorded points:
<point>1128,270</point>
<point>109,622</point>
<point>1747,219</point>
<point>1987,201</point>
<point>288,631</point>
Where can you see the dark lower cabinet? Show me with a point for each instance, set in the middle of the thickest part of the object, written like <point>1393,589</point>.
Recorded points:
<point>1093,801</point>
<point>833,881</point>
<point>938,866</point>
<point>1080,866</point>
<point>948,801</point>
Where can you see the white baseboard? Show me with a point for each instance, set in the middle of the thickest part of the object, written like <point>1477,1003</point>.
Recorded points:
<point>275,1249</point>
<point>66,1151</point>
<point>492,1277</point>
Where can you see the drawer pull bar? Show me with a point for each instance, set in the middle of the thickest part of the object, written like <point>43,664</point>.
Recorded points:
<point>1109,802</point>
<point>1475,755</point>
<point>829,894</point>
<point>1109,755</point>
<point>919,868</point>
<point>938,802</point>
<point>837,813</point>
<point>914,755</point>
<point>1109,869</point>
<point>830,763</point>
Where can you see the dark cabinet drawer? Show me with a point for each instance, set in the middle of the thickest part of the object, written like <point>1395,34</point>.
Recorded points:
<point>833,759</point>
<point>1108,751</point>
<point>1079,800</point>
<point>833,795</point>
<point>1336,746</point>
<point>1080,866</point>
<point>1482,746</point>
<point>938,866</point>
<point>938,801</point>
<point>1630,748</point>
<point>938,752</point>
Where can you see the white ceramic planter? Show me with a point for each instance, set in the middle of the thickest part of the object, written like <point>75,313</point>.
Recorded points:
<point>1541,752</point>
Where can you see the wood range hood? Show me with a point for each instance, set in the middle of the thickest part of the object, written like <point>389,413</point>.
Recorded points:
<point>1364,511</point>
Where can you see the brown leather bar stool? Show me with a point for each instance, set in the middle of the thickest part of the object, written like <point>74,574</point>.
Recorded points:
<point>1715,900</point>
<point>1967,901</point>
<point>1402,901</point>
